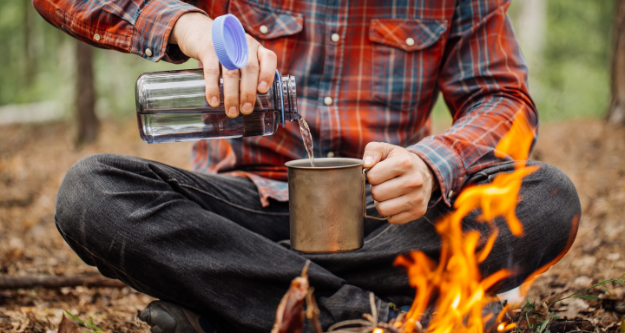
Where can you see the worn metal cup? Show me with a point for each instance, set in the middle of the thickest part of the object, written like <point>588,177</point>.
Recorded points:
<point>327,205</point>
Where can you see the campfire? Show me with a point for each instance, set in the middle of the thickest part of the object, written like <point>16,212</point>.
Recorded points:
<point>456,279</point>
<point>453,285</point>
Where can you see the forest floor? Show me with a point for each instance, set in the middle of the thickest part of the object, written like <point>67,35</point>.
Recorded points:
<point>34,159</point>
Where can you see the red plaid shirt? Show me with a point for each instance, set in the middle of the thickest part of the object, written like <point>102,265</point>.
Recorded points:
<point>366,70</point>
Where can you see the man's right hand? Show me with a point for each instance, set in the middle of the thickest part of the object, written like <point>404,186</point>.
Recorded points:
<point>193,34</point>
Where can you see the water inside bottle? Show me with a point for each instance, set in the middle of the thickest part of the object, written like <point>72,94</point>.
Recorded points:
<point>307,138</point>
<point>177,125</point>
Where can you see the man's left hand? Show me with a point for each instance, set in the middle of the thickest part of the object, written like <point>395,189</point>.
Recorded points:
<point>401,182</point>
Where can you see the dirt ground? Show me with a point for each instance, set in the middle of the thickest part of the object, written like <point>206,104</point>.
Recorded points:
<point>34,159</point>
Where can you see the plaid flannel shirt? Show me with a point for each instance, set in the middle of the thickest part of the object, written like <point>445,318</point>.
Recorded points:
<point>382,76</point>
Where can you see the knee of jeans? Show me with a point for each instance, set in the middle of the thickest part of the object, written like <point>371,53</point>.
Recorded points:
<point>558,206</point>
<point>78,191</point>
<point>550,211</point>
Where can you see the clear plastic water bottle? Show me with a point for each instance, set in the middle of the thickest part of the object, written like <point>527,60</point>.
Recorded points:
<point>171,107</point>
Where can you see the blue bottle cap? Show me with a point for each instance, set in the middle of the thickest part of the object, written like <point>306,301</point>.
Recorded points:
<point>230,42</point>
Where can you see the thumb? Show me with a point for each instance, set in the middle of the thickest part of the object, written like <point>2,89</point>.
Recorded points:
<point>375,152</point>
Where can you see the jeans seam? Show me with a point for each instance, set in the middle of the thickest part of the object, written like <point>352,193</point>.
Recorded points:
<point>228,202</point>
<point>64,234</point>
<point>380,234</point>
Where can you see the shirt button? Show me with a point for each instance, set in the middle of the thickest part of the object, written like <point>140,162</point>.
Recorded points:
<point>335,37</point>
<point>96,37</point>
<point>450,193</point>
<point>409,41</point>
<point>263,29</point>
<point>327,101</point>
<point>330,154</point>
<point>148,52</point>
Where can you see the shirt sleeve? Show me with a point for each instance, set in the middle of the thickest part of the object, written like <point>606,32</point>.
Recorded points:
<point>141,27</point>
<point>483,80</point>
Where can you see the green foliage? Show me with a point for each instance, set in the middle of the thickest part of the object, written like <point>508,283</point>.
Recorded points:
<point>91,327</point>
<point>570,79</point>
<point>13,58</point>
<point>51,60</point>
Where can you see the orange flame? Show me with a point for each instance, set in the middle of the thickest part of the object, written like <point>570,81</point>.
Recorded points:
<point>518,141</point>
<point>459,290</point>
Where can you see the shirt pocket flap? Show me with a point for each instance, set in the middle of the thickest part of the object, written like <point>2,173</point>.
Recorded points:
<point>408,35</point>
<point>275,23</point>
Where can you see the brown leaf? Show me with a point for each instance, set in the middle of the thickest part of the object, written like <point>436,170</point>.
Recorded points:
<point>312,311</point>
<point>576,306</point>
<point>290,312</point>
<point>68,326</point>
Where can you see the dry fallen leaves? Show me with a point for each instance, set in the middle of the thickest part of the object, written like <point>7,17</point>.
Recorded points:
<point>67,326</point>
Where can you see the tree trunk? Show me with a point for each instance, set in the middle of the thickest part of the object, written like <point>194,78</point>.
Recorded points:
<point>85,95</point>
<point>29,63</point>
<point>616,111</point>
<point>532,23</point>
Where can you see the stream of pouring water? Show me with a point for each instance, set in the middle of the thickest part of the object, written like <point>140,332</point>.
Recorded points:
<point>307,138</point>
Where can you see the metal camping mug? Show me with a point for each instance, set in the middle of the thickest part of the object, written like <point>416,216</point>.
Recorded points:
<point>327,205</point>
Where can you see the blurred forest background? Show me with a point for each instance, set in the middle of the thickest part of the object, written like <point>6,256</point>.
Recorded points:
<point>567,44</point>
<point>569,47</point>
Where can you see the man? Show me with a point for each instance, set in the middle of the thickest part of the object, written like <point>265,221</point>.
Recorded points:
<point>215,242</point>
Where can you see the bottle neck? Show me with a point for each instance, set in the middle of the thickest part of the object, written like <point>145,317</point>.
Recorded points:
<point>289,97</point>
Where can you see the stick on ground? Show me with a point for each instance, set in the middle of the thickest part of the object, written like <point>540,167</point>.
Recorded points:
<point>52,281</point>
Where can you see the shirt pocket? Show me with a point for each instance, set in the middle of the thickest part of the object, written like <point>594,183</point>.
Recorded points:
<point>275,29</point>
<point>406,59</point>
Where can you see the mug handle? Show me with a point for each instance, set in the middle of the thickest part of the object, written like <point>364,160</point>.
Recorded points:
<point>364,198</point>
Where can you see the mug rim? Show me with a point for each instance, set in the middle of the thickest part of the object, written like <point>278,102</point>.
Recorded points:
<point>355,162</point>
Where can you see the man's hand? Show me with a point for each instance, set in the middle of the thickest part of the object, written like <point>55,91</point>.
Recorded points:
<point>401,183</point>
<point>193,34</point>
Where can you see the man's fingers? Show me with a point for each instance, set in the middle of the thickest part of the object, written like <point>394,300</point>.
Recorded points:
<point>375,152</point>
<point>411,207</point>
<point>211,77</point>
<point>268,64</point>
<point>231,91</point>
<point>395,187</point>
<point>249,78</point>
<point>401,218</point>
<point>394,165</point>
<point>404,203</point>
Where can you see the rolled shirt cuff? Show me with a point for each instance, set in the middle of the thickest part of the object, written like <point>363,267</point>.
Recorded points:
<point>446,165</point>
<point>153,27</point>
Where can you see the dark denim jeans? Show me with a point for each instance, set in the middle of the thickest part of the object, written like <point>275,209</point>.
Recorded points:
<point>205,241</point>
